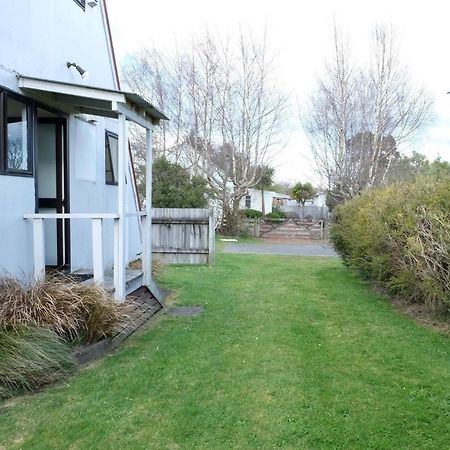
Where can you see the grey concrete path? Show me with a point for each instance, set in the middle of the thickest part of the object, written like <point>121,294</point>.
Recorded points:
<point>282,247</point>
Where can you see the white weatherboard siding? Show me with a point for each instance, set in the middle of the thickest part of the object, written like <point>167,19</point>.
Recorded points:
<point>256,200</point>
<point>90,194</point>
<point>16,238</point>
<point>37,39</point>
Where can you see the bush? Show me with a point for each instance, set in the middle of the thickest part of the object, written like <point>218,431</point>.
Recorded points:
<point>251,213</point>
<point>276,214</point>
<point>31,357</point>
<point>73,311</point>
<point>400,235</point>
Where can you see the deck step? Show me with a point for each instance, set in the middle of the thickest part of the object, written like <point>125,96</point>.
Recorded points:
<point>133,279</point>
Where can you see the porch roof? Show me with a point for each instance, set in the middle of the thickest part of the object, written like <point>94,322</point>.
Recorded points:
<point>96,101</point>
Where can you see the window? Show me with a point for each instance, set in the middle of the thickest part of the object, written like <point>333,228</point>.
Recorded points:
<point>248,201</point>
<point>111,157</point>
<point>81,3</point>
<point>15,132</point>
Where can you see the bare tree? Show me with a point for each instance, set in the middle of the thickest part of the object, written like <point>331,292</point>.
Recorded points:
<point>358,117</point>
<point>225,107</point>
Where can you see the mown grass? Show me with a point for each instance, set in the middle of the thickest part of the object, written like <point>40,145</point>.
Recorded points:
<point>288,353</point>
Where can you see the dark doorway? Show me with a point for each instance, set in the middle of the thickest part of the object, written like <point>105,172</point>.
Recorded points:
<point>53,186</point>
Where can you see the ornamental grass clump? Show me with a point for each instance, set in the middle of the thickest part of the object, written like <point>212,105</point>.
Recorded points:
<point>31,357</point>
<point>75,312</point>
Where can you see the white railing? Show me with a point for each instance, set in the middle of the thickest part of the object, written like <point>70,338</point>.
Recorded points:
<point>97,246</point>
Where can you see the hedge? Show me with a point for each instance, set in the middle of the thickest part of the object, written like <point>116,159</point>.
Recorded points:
<point>400,235</point>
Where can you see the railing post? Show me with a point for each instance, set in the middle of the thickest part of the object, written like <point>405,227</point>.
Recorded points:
<point>38,249</point>
<point>116,258</point>
<point>146,250</point>
<point>119,292</point>
<point>147,223</point>
<point>97,250</point>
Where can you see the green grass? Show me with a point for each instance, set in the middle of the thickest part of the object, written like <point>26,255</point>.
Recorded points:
<point>289,353</point>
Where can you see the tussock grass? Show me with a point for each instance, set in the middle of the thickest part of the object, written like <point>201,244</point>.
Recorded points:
<point>31,357</point>
<point>58,303</point>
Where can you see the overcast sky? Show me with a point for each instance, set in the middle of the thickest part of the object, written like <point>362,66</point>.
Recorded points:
<point>299,33</point>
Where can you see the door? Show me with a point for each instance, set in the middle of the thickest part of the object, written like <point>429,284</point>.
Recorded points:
<point>52,186</point>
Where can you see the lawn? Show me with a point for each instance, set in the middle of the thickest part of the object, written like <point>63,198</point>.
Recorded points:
<point>288,353</point>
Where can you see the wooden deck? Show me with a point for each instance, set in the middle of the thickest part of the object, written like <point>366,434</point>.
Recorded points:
<point>142,306</point>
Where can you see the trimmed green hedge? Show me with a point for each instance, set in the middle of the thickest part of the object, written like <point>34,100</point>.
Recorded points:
<point>251,213</point>
<point>400,235</point>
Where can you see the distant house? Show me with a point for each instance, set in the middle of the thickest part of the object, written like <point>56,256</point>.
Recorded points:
<point>320,199</point>
<point>68,193</point>
<point>253,200</point>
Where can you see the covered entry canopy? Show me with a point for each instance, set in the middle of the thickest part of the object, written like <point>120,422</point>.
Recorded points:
<point>124,106</point>
<point>79,99</point>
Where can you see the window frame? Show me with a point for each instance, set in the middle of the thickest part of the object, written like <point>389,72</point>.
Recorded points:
<point>110,134</point>
<point>4,169</point>
<point>248,201</point>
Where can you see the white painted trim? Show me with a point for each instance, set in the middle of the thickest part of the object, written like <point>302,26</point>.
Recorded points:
<point>97,250</point>
<point>71,89</point>
<point>119,293</point>
<point>132,115</point>
<point>116,256</point>
<point>147,228</point>
<point>71,216</point>
<point>137,214</point>
<point>38,249</point>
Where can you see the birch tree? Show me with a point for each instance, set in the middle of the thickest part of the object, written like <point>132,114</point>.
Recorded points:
<point>359,116</point>
<point>225,107</point>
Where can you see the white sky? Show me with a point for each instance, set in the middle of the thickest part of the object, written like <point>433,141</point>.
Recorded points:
<point>299,33</point>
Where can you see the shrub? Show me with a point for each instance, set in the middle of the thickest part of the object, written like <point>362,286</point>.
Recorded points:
<point>276,214</point>
<point>31,357</point>
<point>251,213</point>
<point>71,310</point>
<point>400,235</point>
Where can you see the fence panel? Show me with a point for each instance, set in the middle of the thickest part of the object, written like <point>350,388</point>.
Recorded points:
<point>311,212</point>
<point>183,235</point>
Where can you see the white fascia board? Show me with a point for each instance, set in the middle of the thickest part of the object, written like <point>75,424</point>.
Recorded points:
<point>133,116</point>
<point>71,89</point>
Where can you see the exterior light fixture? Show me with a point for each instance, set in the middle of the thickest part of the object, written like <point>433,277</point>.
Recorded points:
<point>92,3</point>
<point>84,73</point>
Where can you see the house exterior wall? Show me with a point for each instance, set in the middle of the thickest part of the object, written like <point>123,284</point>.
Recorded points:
<point>37,40</point>
<point>89,193</point>
<point>256,200</point>
<point>318,200</point>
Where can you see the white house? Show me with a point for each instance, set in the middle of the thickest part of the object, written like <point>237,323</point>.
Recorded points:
<point>319,199</point>
<point>67,186</point>
<point>254,200</point>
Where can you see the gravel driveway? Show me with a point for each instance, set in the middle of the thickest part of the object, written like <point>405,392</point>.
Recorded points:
<point>292,247</point>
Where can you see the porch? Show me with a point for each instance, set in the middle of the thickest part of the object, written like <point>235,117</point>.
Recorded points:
<point>126,107</point>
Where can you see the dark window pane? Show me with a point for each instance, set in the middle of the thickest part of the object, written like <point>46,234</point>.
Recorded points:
<point>16,136</point>
<point>248,201</point>
<point>111,158</point>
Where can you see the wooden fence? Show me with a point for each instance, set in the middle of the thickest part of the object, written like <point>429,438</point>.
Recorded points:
<point>183,235</point>
<point>311,212</point>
